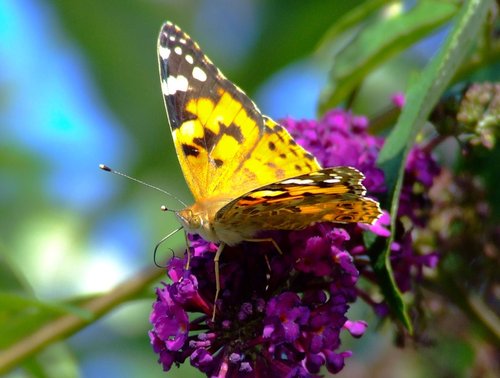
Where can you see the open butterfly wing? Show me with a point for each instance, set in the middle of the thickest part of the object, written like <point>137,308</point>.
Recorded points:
<point>224,144</point>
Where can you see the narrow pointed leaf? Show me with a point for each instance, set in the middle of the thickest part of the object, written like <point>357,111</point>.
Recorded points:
<point>380,41</point>
<point>422,96</point>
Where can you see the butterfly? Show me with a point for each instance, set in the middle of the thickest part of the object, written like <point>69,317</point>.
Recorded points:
<point>245,171</point>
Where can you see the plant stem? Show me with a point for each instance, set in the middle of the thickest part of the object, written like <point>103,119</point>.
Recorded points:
<point>69,324</point>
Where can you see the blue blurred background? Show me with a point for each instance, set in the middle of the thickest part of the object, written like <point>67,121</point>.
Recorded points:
<point>79,86</point>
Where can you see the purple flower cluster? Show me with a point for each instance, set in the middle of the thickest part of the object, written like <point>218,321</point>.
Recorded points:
<point>283,319</point>
<point>342,138</point>
<point>283,314</point>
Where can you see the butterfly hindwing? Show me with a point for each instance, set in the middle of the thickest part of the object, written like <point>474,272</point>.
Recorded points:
<point>328,195</point>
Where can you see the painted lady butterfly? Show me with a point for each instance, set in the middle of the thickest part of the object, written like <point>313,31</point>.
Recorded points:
<point>245,171</point>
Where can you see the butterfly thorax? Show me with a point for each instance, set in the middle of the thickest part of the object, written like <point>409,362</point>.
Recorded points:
<point>200,219</point>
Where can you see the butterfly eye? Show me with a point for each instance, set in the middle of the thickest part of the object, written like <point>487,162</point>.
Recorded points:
<point>195,221</point>
<point>191,219</point>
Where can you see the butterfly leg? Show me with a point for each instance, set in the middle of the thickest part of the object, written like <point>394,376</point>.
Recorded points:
<point>217,276</point>
<point>188,260</point>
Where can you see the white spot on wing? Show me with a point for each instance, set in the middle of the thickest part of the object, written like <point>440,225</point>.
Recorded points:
<point>189,59</point>
<point>199,74</point>
<point>332,181</point>
<point>188,128</point>
<point>178,50</point>
<point>182,40</point>
<point>172,38</point>
<point>174,84</point>
<point>164,52</point>
<point>297,181</point>
<point>267,193</point>
<point>164,87</point>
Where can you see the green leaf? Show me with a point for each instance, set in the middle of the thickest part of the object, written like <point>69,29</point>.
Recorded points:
<point>28,326</point>
<point>378,42</point>
<point>21,315</point>
<point>422,96</point>
<point>10,278</point>
<point>352,18</point>
<point>55,361</point>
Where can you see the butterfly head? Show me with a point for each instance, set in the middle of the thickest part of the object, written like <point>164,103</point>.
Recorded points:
<point>196,222</point>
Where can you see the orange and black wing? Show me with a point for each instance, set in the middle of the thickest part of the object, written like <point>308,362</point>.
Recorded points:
<point>329,195</point>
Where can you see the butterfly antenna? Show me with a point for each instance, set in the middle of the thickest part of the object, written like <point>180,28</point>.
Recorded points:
<point>108,169</point>
<point>155,253</point>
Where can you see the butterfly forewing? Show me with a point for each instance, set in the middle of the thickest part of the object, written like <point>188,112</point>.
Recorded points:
<point>224,144</point>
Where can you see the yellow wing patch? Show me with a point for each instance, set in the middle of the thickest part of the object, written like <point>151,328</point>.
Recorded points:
<point>231,151</point>
<point>213,140</point>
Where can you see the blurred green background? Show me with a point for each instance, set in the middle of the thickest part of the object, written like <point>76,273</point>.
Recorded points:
<point>79,87</point>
